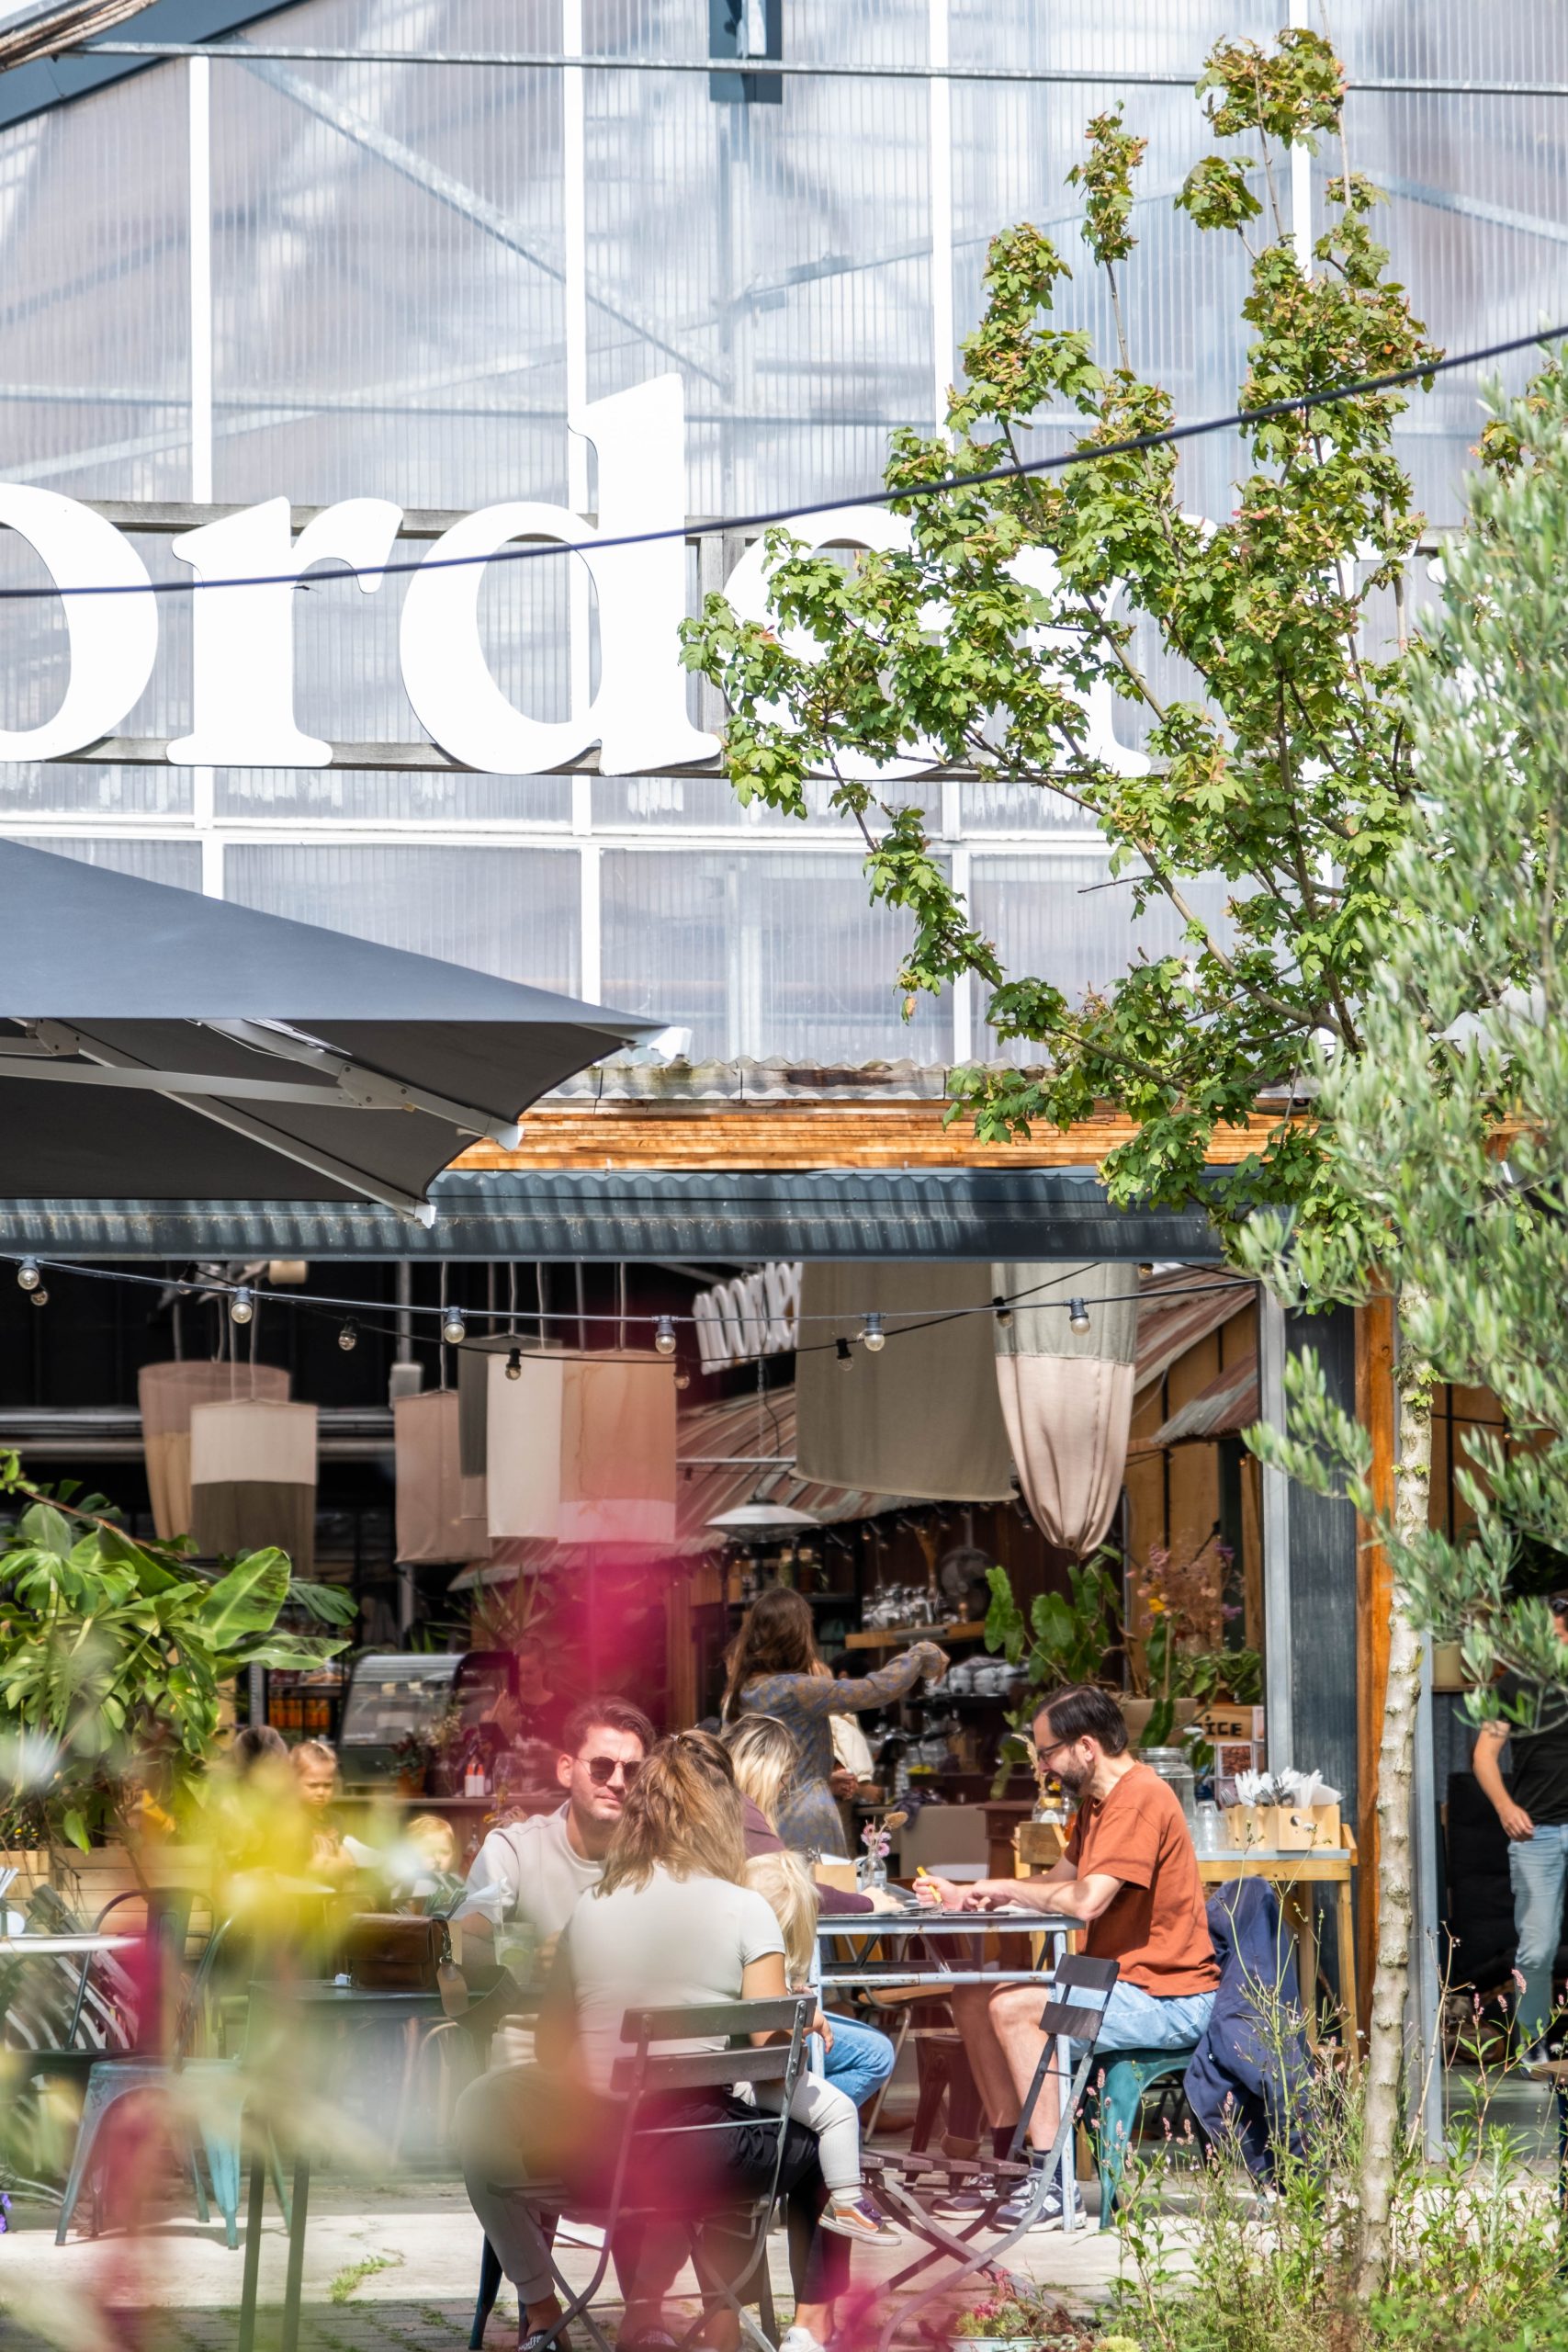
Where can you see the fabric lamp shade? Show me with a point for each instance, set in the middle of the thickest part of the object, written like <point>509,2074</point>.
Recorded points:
<point>167,1394</point>
<point>253,1478</point>
<point>440,1514</point>
<point>1067,1395</point>
<point>921,1418</point>
<point>581,1449</point>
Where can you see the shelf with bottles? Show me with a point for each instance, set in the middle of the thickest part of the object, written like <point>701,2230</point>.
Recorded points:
<point>305,1704</point>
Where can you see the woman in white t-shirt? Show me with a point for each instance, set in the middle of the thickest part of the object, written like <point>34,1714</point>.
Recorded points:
<point>671,1923</point>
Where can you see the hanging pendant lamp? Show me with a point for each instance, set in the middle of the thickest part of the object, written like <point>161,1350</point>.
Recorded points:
<point>168,1393</point>
<point>253,1470</point>
<point>580,1449</point>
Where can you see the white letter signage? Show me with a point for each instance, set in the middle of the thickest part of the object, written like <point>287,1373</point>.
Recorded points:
<point>242,639</point>
<point>639,716</point>
<point>114,639</point>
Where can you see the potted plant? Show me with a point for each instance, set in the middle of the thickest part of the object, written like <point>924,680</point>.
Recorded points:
<point>1177,1666</point>
<point>1030,2320</point>
<point>115,1659</point>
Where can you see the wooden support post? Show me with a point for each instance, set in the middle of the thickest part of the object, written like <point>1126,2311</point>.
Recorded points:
<point>1374,1597</point>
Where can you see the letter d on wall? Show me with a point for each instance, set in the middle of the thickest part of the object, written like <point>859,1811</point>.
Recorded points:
<point>114,639</point>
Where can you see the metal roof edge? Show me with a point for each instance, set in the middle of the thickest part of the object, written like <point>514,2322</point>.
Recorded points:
<point>610,1214</point>
<point>46,82</point>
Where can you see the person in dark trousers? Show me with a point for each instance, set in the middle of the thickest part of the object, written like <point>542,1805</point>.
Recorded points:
<point>1534,1815</point>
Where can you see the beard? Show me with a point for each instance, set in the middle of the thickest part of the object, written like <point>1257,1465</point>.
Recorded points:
<point>1074,1781</point>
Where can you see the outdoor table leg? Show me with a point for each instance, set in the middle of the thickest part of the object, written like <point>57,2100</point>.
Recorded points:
<point>1344,1933</point>
<point>289,2339</point>
<point>251,2282</point>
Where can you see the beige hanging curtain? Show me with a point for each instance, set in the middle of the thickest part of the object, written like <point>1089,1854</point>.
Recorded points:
<point>581,1449</point>
<point>440,1514</point>
<point>922,1418</point>
<point>167,1393</point>
<point>1067,1395</point>
<point>253,1471</point>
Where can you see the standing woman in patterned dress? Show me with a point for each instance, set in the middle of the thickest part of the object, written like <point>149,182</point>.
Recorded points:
<point>774,1670</point>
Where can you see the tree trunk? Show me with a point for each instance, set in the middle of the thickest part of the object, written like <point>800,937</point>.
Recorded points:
<point>1383,2088</point>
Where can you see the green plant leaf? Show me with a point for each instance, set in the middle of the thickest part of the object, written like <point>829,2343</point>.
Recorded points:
<point>247,1599</point>
<point>75,1827</point>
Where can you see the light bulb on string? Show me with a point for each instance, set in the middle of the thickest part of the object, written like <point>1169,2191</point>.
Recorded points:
<point>28,1273</point>
<point>348,1339</point>
<point>1002,1312</point>
<point>1077,1316</point>
<point>842,1350</point>
<point>664,1336</point>
<point>872,1337</point>
<point>454,1328</point>
<point>241,1307</point>
<point>514,1365</point>
<point>684,1380</point>
<point>39,1297</point>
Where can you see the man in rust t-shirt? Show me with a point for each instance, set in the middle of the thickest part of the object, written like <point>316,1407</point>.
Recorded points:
<point>1130,1875</point>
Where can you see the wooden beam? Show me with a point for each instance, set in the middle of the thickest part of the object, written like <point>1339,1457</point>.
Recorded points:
<point>816,1134</point>
<point>1374,1601</point>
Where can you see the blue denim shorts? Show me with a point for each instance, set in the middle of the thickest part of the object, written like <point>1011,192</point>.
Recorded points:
<point>1138,2020</point>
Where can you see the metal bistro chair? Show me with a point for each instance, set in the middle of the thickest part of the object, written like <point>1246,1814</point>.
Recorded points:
<point>1079,1990</point>
<point>647,2074</point>
<point>219,2101</point>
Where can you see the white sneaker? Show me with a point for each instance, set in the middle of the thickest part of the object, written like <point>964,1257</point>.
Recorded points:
<point>799,2339</point>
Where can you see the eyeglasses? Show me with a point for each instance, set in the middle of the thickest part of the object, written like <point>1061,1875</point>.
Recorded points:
<point>602,1770</point>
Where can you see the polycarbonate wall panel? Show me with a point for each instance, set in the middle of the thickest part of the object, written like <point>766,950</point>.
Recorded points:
<point>1061,920</point>
<point>149,860</point>
<point>93,273</point>
<point>388,268</point>
<point>768,954</point>
<point>511,911</point>
<point>389,316</point>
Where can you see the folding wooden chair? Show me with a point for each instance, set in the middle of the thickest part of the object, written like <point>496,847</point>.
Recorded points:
<point>647,2074</point>
<point>1079,1990</point>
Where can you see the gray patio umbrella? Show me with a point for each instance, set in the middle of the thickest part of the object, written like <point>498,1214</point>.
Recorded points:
<point>162,1045</point>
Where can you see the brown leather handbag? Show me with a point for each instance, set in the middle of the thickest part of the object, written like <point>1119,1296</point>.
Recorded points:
<point>387,1951</point>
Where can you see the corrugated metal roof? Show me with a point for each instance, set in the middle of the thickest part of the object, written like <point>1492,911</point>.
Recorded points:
<point>1227,1406</point>
<point>1180,1305</point>
<point>654,1212</point>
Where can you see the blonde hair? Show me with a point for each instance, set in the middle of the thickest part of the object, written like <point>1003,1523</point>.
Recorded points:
<point>682,1815</point>
<point>436,1840</point>
<point>788,1889</point>
<point>313,1751</point>
<point>765,1758</point>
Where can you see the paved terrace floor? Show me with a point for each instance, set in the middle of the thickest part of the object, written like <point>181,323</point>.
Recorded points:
<point>176,2287</point>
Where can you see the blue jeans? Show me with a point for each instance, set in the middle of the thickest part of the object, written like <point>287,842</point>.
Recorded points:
<point>1138,2020</point>
<point>1538,1866</point>
<point>860,2060</point>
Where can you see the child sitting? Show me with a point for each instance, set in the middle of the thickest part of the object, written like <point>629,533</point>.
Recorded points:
<point>785,1885</point>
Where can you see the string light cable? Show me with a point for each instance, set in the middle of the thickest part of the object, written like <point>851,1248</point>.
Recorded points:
<point>250,1296</point>
<point>1093,453</point>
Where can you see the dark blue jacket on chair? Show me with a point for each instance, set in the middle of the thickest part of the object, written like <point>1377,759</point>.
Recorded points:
<point>1249,2080</point>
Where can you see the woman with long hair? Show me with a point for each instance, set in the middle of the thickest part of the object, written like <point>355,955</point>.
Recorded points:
<point>774,1669</point>
<point>670,1924</point>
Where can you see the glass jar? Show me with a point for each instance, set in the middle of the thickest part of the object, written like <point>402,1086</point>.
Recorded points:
<point>1175,1769</point>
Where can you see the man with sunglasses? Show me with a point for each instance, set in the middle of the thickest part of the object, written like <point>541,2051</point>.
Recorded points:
<point>532,1871</point>
<point>1131,1876</point>
<point>1533,1811</point>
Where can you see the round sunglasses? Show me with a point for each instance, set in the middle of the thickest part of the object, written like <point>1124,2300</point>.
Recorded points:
<point>602,1770</point>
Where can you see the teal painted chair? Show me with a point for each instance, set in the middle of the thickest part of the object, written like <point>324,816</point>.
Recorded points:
<point>215,2100</point>
<point>1117,2089</point>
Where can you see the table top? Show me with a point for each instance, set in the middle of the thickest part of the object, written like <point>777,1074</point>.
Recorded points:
<point>26,1947</point>
<point>940,1923</point>
<point>322,1994</point>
